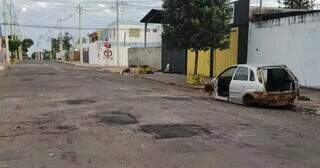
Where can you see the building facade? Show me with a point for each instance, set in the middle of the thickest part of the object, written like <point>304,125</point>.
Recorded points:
<point>131,34</point>
<point>289,38</point>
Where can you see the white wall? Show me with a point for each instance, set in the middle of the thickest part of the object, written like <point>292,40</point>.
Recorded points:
<point>293,41</point>
<point>97,57</point>
<point>153,39</point>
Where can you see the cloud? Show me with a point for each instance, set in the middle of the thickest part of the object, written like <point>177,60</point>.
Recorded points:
<point>48,12</point>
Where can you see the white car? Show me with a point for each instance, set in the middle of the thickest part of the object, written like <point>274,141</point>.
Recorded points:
<point>273,85</point>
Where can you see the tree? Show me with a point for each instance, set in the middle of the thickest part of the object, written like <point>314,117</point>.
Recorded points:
<point>299,4</point>
<point>26,44</point>
<point>66,45</point>
<point>197,25</point>
<point>14,44</point>
<point>33,55</point>
<point>46,54</point>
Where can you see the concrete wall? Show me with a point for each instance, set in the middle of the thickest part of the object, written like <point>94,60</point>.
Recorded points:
<point>147,56</point>
<point>293,41</point>
<point>97,57</point>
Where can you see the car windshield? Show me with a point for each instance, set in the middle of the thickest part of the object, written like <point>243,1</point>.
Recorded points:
<point>229,72</point>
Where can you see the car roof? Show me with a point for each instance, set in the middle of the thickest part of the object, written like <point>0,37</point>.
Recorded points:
<point>255,66</point>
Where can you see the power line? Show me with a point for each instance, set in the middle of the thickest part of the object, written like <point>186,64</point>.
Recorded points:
<point>63,27</point>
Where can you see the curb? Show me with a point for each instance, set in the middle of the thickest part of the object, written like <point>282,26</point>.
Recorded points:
<point>173,84</point>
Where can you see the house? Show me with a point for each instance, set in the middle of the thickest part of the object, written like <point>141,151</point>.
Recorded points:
<point>131,34</point>
<point>291,38</point>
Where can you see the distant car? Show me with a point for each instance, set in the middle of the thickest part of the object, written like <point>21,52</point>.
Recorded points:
<point>273,85</point>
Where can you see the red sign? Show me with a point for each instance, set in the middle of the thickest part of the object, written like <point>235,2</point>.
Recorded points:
<point>107,44</point>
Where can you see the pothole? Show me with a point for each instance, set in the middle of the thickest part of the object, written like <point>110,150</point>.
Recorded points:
<point>174,131</point>
<point>79,101</point>
<point>176,98</point>
<point>26,79</point>
<point>48,73</point>
<point>60,129</point>
<point>118,118</point>
<point>69,156</point>
<point>64,127</point>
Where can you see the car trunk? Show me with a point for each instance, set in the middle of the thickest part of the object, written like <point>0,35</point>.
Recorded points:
<point>278,79</point>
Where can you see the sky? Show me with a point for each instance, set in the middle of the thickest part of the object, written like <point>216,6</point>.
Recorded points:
<point>96,14</point>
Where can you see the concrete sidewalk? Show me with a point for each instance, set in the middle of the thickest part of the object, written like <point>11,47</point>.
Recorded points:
<point>308,103</point>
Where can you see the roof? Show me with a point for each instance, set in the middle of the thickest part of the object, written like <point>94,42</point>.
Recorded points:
<point>154,16</point>
<point>279,15</point>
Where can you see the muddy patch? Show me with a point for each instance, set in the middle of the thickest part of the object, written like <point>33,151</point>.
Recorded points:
<point>117,118</point>
<point>174,131</point>
<point>79,102</point>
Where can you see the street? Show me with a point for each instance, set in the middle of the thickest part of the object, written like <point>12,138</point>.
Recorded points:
<point>55,115</point>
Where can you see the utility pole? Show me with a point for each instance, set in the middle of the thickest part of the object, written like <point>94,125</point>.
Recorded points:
<point>118,32</point>
<point>6,32</point>
<point>260,6</point>
<point>80,36</point>
<point>60,44</point>
<point>10,18</point>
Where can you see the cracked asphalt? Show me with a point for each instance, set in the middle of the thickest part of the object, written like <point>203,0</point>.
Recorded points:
<point>55,115</point>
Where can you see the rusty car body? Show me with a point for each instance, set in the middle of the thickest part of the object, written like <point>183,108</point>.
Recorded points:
<point>273,85</point>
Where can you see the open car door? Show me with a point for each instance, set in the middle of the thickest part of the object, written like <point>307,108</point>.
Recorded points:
<point>222,84</point>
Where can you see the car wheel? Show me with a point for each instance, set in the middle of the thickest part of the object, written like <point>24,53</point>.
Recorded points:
<point>248,100</point>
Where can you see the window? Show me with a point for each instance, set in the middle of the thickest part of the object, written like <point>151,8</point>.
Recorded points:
<point>134,32</point>
<point>155,30</point>
<point>229,72</point>
<point>148,30</point>
<point>242,74</point>
<point>252,77</point>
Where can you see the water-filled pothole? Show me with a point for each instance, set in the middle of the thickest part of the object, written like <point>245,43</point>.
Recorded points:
<point>174,131</point>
